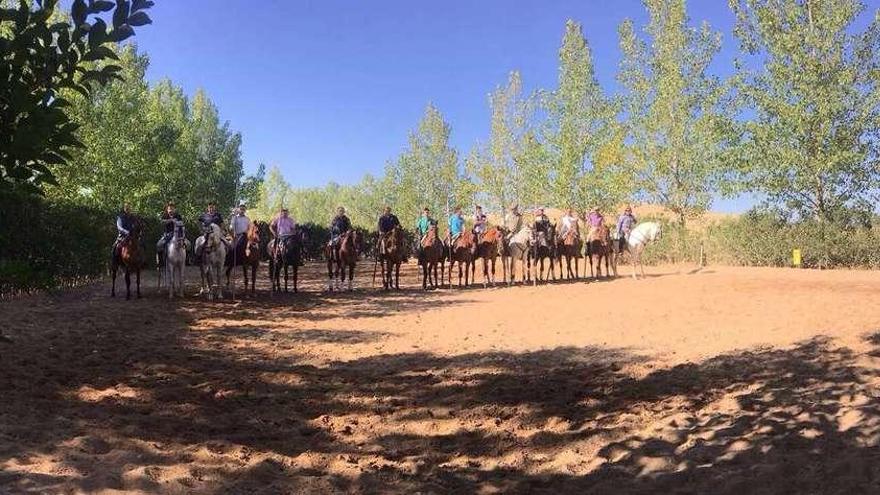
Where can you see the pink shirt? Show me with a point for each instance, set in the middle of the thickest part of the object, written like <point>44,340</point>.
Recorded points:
<point>596,219</point>
<point>284,226</point>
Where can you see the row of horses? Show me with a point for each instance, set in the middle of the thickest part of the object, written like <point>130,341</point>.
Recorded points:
<point>538,251</point>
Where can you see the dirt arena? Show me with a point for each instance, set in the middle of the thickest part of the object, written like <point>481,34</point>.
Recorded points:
<point>724,380</point>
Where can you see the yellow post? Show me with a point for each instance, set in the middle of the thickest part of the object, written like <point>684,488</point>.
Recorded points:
<point>796,258</point>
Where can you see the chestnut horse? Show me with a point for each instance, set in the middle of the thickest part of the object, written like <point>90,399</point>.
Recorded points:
<point>394,256</point>
<point>131,256</point>
<point>433,254</point>
<point>462,252</point>
<point>569,247</point>
<point>345,257</point>
<point>599,247</point>
<point>249,257</point>
<point>488,248</point>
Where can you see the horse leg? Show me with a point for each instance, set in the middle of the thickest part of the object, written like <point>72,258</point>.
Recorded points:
<point>127,284</point>
<point>397,275</point>
<point>138,282</point>
<point>330,273</point>
<point>113,271</point>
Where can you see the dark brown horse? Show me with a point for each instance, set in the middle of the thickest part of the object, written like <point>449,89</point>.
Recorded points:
<point>569,247</point>
<point>131,256</point>
<point>544,248</point>
<point>344,256</point>
<point>433,254</point>
<point>393,258</point>
<point>248,257</point>
<point>462,251</point>
<point>285,254</point>
<point>599,247</point>
<point>489,248</point>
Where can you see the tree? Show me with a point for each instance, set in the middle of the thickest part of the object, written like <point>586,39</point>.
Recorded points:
<point>812,142</point>
<point>495,166</point>
<point>427,173</point>
<point>275,193</point>
<point>579,117</point>
<point>678,123</point>
<point>40,57</point>
<point>249,191</point>
<point>147,145</point>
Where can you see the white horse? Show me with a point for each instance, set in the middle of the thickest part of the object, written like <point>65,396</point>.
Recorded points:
<point>175,260</point>
<point>213,256</point>
<point>639,238</point>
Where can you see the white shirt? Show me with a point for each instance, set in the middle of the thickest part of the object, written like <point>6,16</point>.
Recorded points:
<point>240,224</point>
<point>568,223</point>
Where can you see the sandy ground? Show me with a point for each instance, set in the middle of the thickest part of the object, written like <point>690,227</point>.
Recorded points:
<point>727,380</point>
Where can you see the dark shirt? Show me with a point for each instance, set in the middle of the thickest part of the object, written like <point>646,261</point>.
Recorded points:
<point>388,222</point>
<point>125,221</point>
<point>542,224</point>
<point>340,225</point>
<point>206,219</point>
<point>169,226</point>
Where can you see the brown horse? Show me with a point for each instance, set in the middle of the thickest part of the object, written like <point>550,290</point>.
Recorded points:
<point>131,256</point>
<point>489,248</point>
<point>343,256</point>
<point>394,256</point>
<point>462,252</point>
<point>432,256</point>
<point>569,247</point>
<point>249,257</point>
<point>599,247</point>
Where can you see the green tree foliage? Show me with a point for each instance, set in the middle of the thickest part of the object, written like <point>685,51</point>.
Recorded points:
<point>148,145</point>
<point>579,119</point>
<point>812,143</point>
<point>249,190</point>
<point>677,114</point>
<point>427,173</point>
<point>41,56</point>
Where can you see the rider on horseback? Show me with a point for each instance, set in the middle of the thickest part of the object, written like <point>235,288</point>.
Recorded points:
<point>125,223</point>
<point>569,223</point>
<point>423,225</point>
<point>480,223</point>
<point>595,220</point>
<point>282,227</point>
<point>167,219</point>
<point>338,227</point>
<point>513,222</point>
<point>239,225</point>
<point>387,222</point>
<point>542,222</point>
<point>456,225</point>
<point>210,217</point>
<point>625,224</point>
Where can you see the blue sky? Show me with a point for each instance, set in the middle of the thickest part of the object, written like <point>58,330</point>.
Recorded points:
<point>328,90</point>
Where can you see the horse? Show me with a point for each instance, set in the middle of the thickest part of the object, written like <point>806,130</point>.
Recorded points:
<point>175,260</point>
<point>462,252</point>
<point>131,256</point>
<point>248,257</point>
<point>393,257</point>
<point>543,248</point>
<point>213,251</point>
<point>519,247</point>
<point>264,232</point>
<point>569,247</point>
<point>488,248</point>
<point>349,246</point>
<point>433,254</point>
<point>599,247</point>
<point>284,256</point>
<point>639,238</point>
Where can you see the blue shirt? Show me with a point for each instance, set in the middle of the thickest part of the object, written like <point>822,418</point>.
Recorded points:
<point>456,225</point>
